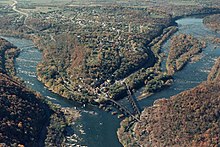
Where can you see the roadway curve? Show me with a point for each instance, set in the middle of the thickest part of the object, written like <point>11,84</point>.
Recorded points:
<point>14,8</point>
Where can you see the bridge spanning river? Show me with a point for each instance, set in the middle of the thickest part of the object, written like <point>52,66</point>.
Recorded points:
<point>123,109</point>
<point>95,122</point>
<point>132,100</point>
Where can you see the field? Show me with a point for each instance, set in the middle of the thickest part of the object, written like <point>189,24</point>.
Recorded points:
<point>5,2</point>
<point>47,2</point>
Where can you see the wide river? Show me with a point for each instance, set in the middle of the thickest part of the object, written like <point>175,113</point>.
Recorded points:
<point>95,127</point>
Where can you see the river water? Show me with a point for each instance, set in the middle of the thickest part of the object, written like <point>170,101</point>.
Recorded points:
<point>97,128</point>
<point>193,73</point>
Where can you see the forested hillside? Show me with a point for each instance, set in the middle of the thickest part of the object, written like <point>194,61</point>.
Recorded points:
<point>89,47</point>
<point>25,117</point>
<point>191,118</point>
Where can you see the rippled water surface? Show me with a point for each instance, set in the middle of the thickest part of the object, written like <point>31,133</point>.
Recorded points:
<point>193,73</point>
<point>97,128</point>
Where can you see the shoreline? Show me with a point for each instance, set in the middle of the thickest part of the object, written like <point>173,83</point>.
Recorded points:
<point>147,131</point>
<point>48,127</point>
<point>35,38</point>
<point>68,95</point>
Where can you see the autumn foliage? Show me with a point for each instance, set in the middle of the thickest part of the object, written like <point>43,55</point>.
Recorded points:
<point>191,118</point>
<point>22,114</point>
<point>183,47</point>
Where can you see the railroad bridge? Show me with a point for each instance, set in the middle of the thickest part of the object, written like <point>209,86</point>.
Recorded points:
<point>132,100</point>
<point>123,109</point>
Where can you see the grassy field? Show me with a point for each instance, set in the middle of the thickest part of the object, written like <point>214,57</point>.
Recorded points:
<point>6,2</point>
<point>131,3</point>
<point>41,9</point>
<point>48,2</point>
<point>183,2</point>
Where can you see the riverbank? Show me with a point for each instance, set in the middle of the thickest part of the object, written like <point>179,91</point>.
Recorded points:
<point>153,79</point>
<point>81,74</point>
<point>215,72</point>
<point>180,120</point>
<point>64,86</point>
<point>44,124</point>
<point>8,52</point>
<point>80,90</point>
<point>212,22</point>
<point>94,126</point>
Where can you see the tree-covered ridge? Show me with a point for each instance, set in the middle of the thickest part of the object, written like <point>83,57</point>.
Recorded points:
<point>7,54</point>
<point>24,115</point>
<point>191,118</point>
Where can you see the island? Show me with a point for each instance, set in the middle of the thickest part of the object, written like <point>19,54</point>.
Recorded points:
<point>182,49</point>
<point>190,118</point>
<point>94,55</point>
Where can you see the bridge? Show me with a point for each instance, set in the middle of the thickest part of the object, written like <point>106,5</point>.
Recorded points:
<point>120,107</point>
<point>131,98</point>
<point>123,109</point>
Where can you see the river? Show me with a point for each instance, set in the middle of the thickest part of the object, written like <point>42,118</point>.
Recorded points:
<point>193,73</point>
<point>97,128</point>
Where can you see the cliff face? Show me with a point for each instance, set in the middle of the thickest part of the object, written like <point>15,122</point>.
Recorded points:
<point>191,118</point>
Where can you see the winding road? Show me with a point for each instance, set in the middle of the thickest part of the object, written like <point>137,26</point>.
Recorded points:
<point>14,8</point>
<point>104,123</point>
